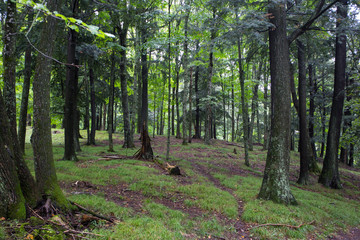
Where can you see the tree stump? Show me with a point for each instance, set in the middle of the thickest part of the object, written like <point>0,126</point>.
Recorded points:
<point>145,152</point>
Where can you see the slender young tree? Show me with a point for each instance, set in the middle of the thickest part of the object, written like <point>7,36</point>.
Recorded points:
<point>26,88</point>
<point>111,103</point>
<point>186,75</point>
<point>91,140</point>
<point>169,85</point>
<point>208,119</point>
<point>244,107</point>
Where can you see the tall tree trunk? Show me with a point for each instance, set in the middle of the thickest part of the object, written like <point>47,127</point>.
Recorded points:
<point>173,112</point>
<point>190,108</point>
<point>232,112</point>
<point>224,109</point>
<point>197,103</point>
<point>313,92</point>
<point>305,148</point>
<point>313,167</point>
<point>253,115</point>
<point>103,122</point>
<point>244,107</point>
<point>71,91</point>
<point>41,137</point>
<point>329,176</point>
<point>275,185</point>
<point>93,106</point>
<point>137,80</point>
<point>266,118</point>
<point>323,118</point>
<point>9,63</point>
<point>186,76</point>
<point>111,103</point>
<point>169,86</point>
<point>128,138</point>
<point>208,112</point>
<point>25,90</point>
<point>12,204</point>
<point>144,78</point>
<point>87,105</point>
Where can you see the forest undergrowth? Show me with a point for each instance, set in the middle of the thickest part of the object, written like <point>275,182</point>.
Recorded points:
<point>214,198</point>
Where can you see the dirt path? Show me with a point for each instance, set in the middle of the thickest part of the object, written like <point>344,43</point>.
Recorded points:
<point>241,227</point>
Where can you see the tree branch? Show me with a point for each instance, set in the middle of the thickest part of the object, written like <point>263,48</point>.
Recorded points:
<point>299,31</point>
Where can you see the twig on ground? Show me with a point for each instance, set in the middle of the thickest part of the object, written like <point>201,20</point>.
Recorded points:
<point>91,212</point>
<point>71,231</point>
<point>284,225</point>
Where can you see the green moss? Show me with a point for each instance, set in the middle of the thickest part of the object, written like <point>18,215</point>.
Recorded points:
<point>18,210</point>
<point>59,198</point>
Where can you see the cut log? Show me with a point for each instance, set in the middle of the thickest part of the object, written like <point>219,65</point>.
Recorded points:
<point>173,170</point>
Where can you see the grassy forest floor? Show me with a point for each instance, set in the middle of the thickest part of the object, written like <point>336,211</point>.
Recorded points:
<point>214,198</point>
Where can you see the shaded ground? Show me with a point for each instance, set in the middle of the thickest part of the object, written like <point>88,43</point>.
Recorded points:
<point>225,158</point>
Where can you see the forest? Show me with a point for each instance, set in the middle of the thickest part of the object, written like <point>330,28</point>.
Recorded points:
<point>180,119</point>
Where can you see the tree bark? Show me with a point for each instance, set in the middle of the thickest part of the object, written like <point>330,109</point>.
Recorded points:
<point>25,90</point>
<point>304,144</point>
<point>208,119</point>
<point>275,185</point>
<point>169,87</point>
<point>111,103</point>
<point>9,63</point>
<point>244,107</point>
<point>186,76</point>
<point>128,137</point>
<point>93,106</point>
<point>197,103</point>
<point>329,176</point>
<point>12,204</point>
<point>266,118</point>
<point>71,92</point>
<point>41,138</point>
<point>144,77</point>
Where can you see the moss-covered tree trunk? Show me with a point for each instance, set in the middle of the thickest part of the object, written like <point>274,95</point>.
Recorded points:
<point>275,185</point>
<point>41,138</point>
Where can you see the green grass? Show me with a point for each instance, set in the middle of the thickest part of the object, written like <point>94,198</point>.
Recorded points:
<point>211,198</point>
<point>328,209</point>
<point>101,205</point>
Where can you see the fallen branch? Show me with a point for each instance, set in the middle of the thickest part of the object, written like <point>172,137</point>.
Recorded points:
<point>92,212</point>
<point>71,231</point>
<point>284,225</point>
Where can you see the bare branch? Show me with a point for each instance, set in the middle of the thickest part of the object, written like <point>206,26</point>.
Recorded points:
<point>299,31</point>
